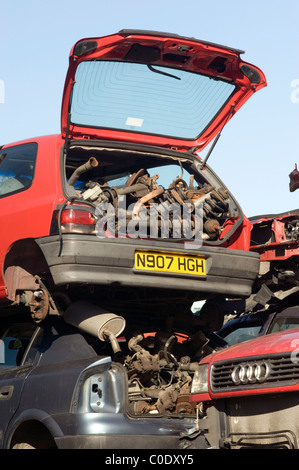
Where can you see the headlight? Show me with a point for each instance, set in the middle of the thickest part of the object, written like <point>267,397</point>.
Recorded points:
<point>200,379</point>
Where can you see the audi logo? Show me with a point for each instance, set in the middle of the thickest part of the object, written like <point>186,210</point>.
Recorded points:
<point>257,372</point>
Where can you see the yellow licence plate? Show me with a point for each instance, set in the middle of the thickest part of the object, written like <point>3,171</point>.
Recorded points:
<point>170,263</point>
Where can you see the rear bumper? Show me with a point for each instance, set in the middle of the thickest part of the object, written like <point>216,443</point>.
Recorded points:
<point>88,259</point>
<point>118,431</point>
<point>144,442</point>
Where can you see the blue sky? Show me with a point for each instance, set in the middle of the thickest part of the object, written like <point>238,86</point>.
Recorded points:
<point>260,145</point>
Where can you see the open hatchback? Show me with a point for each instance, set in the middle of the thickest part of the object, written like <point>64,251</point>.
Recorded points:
<point>138,108</point>
<point>130,202</point>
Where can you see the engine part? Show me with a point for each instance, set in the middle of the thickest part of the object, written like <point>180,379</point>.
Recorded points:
<point>143,362</point>
<point>292,230</point>
<point>152,195</point>
<point>91,163</point>
<point>160,376</point>
<point>39,305</point>
<point>167,400</point>
<point>142,191</point>
<point>212,228</point>
<point>160,371</point>
<point>94,193</point>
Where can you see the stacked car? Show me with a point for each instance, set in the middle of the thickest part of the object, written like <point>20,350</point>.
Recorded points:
<point>110,231</point>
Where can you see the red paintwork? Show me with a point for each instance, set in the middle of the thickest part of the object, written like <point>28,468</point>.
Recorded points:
<point>240,240</point>
<point>116,47</point>
<point>281,248</point>
<point>280,342</point>
<point>294,179</point>
<point>28,214</point>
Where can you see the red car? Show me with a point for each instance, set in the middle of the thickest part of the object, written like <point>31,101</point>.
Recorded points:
<point>83,212</point>
<point>250,393</point>
<point>275,237</point>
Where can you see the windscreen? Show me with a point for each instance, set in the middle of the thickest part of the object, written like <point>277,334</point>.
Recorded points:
<point>146,99</point>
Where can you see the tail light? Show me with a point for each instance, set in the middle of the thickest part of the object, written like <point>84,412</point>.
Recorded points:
<point>76,221</point>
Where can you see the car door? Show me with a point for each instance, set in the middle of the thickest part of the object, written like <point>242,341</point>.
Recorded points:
<point>30,189</point>
<point>16,361</point>
<point>17,168</point>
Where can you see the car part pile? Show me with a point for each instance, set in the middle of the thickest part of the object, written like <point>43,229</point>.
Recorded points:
<point>161,372</point>
<point>160,366</point>
<point>204,208</point>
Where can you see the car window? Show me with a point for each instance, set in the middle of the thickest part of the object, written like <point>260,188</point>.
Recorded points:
<point>17,168</point>
<point>14,343</point>
<point>242,334</point>
<point>283,323</point>
<point>141,98</point>
<point>166,174</point>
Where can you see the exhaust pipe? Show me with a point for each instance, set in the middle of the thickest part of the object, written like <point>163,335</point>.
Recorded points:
<point>91,163</point>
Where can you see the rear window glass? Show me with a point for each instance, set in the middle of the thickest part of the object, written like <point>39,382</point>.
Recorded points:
<point>146,99</point>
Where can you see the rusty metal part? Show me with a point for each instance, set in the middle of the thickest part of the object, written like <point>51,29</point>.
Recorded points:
<point>212,227</point>
<point>176,196</point>
<point>133,178</point>
<point>183,404</point>
<point>153,194</point>
<point>91,163</point>
<point>167,400</point>
<point>133,343</point>
<point>39,305</point>
<point>191,183</point>
<point>17,280</point>
<point>181,184</point>
<point>144,362</point>
<point>219,196</point>
<point>138,187</point>
<point>142,407</point>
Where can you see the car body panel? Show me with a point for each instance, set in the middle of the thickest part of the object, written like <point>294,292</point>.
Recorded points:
<point>276,343</point>
<point>252,401</point>
<point>254,351</point>
<point>28,214</point>
<point>77,413</point>
<point>86,259</point>
<point>170,51</point>
<point>294,180</point>
<point>274,236</point>
<point>260,322</point>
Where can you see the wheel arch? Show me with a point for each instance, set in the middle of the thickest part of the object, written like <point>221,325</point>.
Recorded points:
<point>23,261</point>
<point>34,433</point>
<point>33,425</point>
